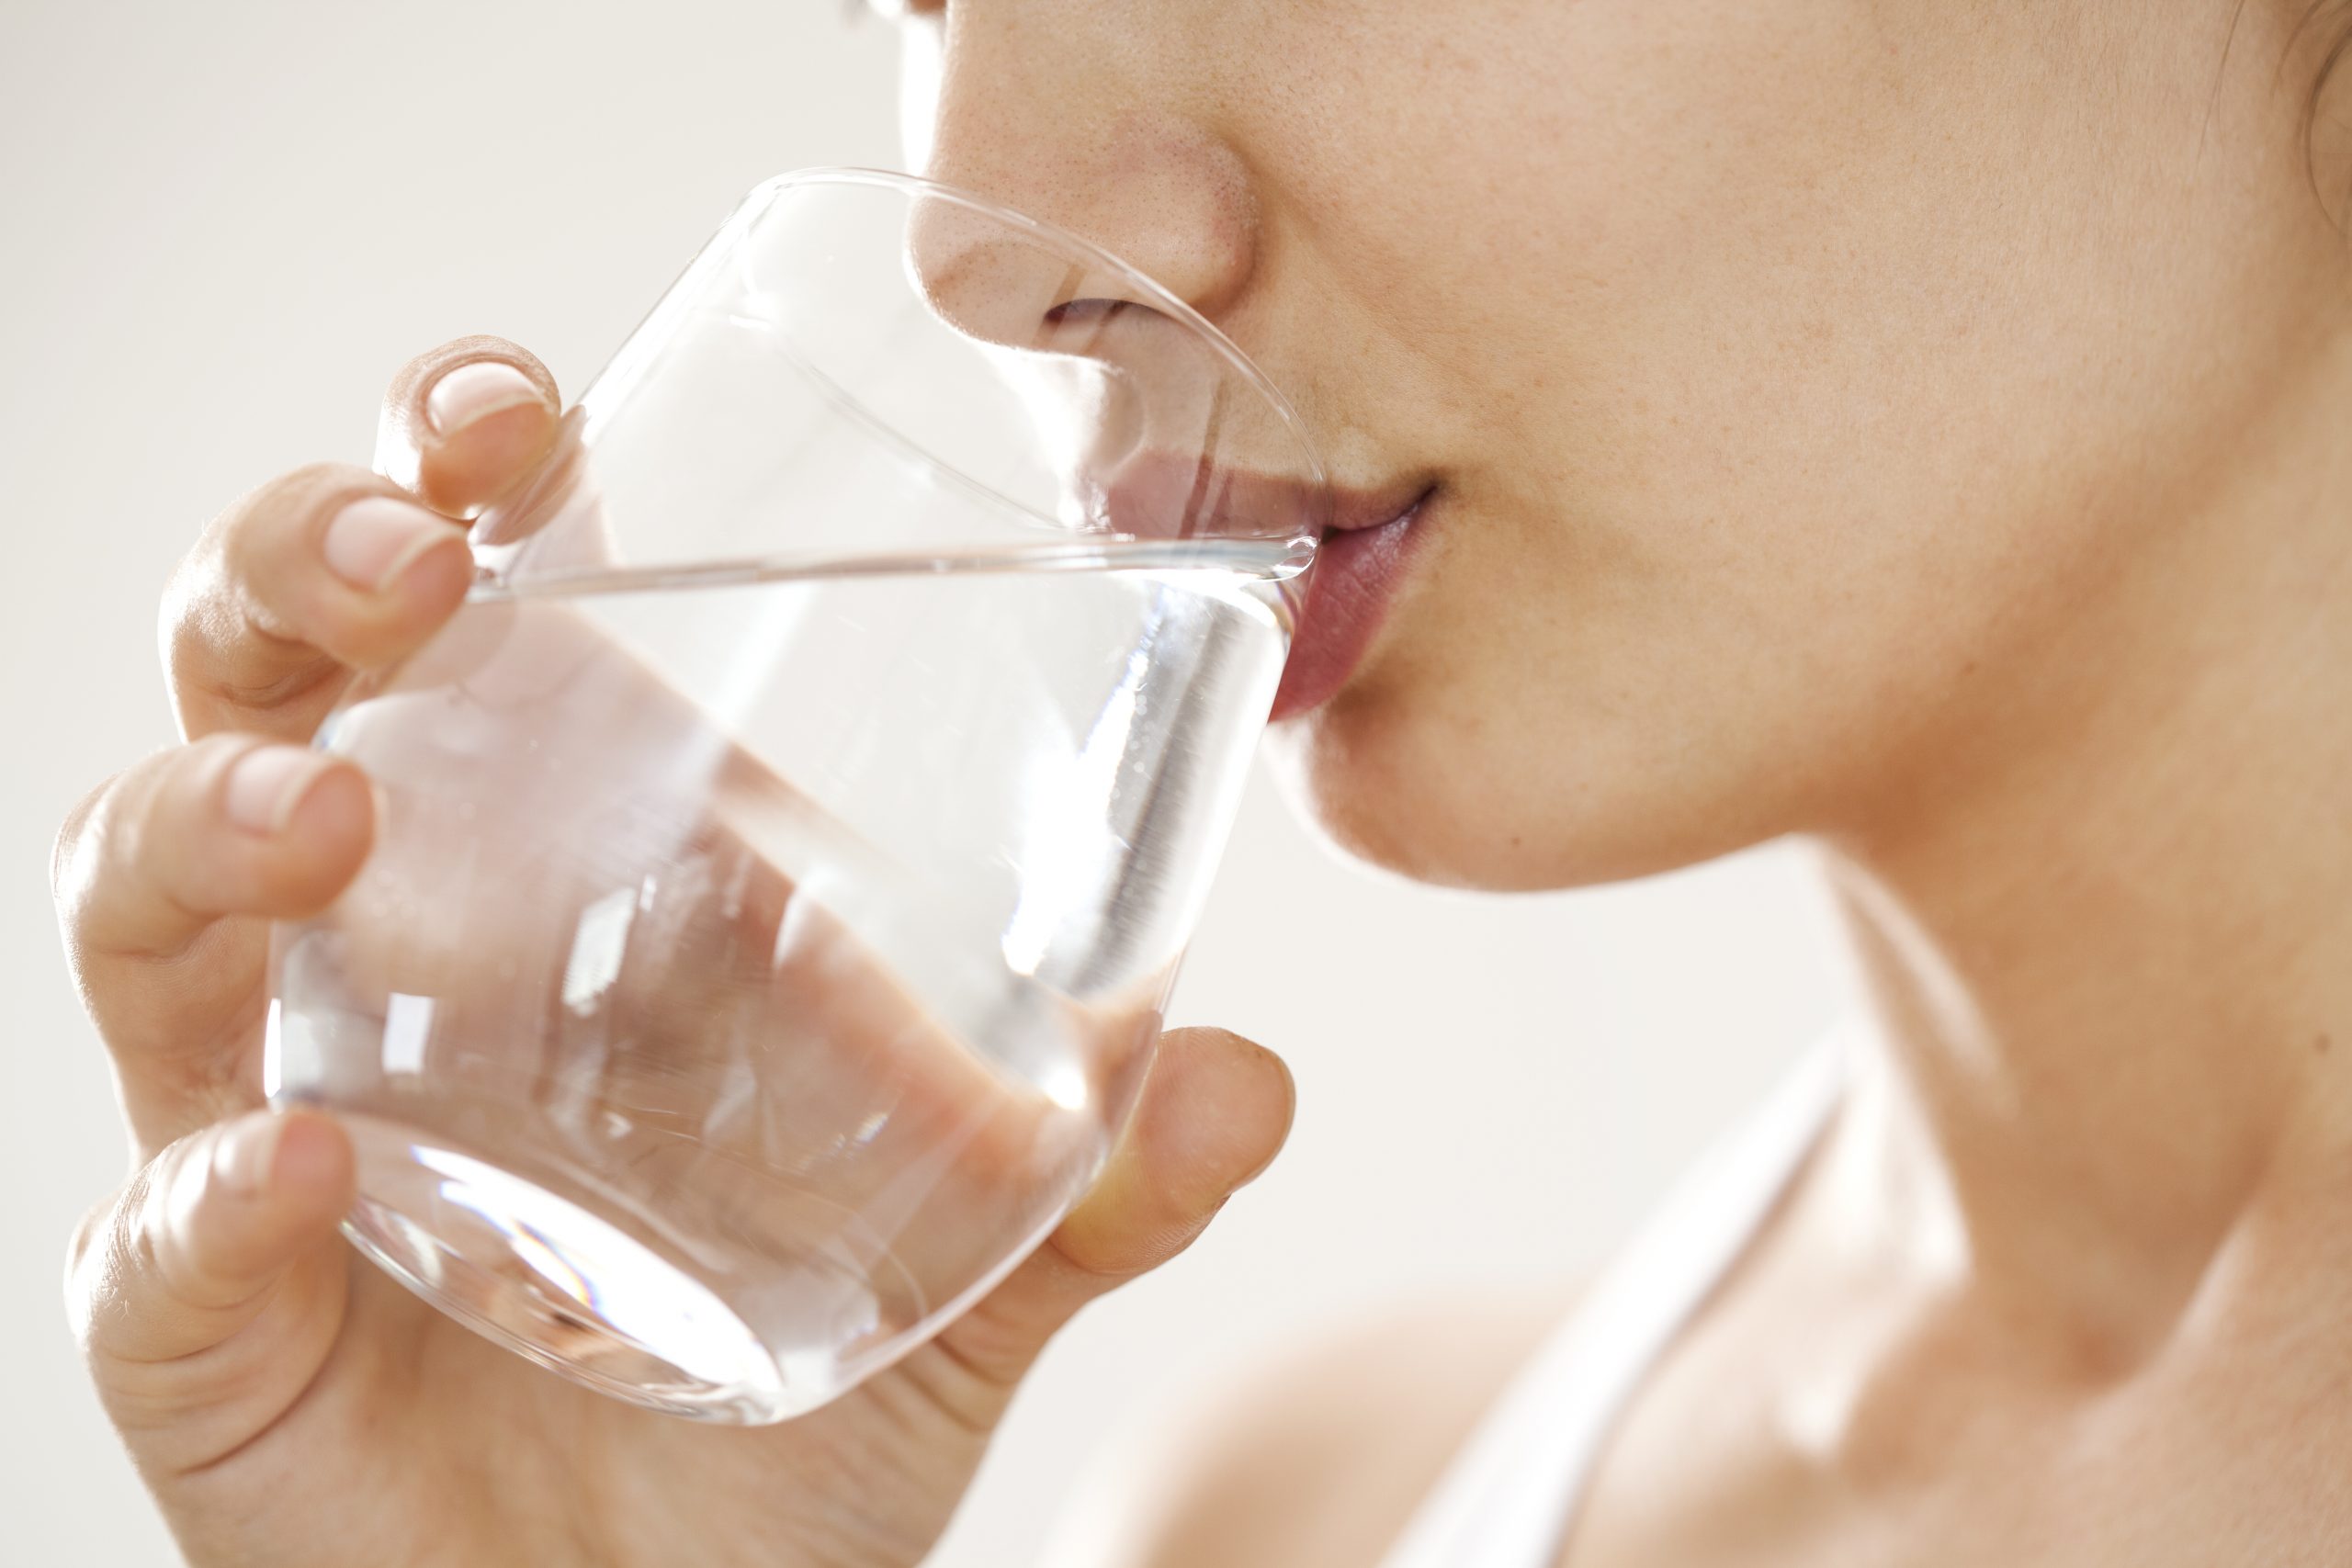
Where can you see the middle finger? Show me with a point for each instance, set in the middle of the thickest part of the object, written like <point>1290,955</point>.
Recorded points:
<point>159,877</point>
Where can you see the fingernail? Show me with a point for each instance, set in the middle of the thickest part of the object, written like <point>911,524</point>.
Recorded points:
<point>373,539</point>
<point>472,392</point>
<point>240,1160</point>
<point>267,783</point>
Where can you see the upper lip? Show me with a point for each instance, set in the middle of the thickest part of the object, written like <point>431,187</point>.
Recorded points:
<point>1160,496</point>
<point>1352,508</point>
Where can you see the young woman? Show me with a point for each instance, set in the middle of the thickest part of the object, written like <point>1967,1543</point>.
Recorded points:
<point>1922,427</point>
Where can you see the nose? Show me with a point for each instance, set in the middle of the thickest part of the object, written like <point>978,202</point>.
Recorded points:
<point>1146,425</point>
<point>1059,110</point>
<point>1095,119</point>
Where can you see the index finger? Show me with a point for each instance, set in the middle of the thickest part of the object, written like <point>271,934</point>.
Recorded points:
<point>331,568</point>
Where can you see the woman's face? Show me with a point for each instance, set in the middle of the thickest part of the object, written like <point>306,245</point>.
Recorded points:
<point>1793,380</point>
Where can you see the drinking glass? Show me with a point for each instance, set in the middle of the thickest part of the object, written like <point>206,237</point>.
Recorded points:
<point>784,855</point>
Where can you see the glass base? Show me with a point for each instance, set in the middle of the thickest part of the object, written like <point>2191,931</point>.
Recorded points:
<point>546,1278</point>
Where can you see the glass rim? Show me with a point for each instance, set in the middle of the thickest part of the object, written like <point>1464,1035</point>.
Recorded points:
<point>1157,296</point>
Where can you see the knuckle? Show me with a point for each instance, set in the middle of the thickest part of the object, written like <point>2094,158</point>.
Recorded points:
<point>71,854</point>
<point>109,851</point>
<point>229,623</point>
<point>103,841</point>
<point>197,617</point>
<point>158,1187</point>
<point>102,1258</point>
<point>87,1231</point>
<point>304,670</point>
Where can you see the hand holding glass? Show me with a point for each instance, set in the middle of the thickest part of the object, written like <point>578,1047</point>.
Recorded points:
<point>784,856</point>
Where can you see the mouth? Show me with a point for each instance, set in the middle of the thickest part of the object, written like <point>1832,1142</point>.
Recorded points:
<point>1364,539</point>
<point>1358,568</point>
<point>1160,495</point>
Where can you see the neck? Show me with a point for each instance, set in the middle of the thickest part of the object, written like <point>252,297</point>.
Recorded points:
<point>2110,957</point>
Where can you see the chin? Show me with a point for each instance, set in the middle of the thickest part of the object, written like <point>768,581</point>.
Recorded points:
<point>1441,792</point>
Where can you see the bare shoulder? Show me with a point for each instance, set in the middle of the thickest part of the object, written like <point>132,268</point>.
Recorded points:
<point>1317,1456</point>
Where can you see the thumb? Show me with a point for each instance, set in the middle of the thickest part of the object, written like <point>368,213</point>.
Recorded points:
<point>208,1279</point>
<point>1215,1110</point>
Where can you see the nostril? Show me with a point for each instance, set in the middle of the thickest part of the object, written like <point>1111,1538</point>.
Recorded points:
<point>1086,312</point>
<point>1104,327</point>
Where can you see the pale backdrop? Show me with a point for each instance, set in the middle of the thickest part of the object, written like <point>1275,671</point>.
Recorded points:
<point>223,225</point>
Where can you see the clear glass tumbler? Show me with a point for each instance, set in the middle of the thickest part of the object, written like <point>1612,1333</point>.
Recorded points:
<point>786,852</point>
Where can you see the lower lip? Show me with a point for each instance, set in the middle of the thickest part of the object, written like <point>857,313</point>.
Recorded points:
<point>1348,589</point>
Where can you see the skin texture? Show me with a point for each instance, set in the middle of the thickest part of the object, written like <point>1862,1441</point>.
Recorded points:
<point>1912,427</point>
<point>1916,427</point>
<point>1792,374</point>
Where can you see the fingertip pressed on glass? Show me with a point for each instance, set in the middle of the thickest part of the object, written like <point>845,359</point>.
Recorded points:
<point>786,851</point>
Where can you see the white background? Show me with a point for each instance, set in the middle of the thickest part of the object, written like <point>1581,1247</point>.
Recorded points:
<point>223,225</point>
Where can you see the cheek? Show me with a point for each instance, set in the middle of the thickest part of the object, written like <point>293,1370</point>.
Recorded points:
<point>1530,727</point>
<point>1805,398</point>
<point>1591,683</point>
